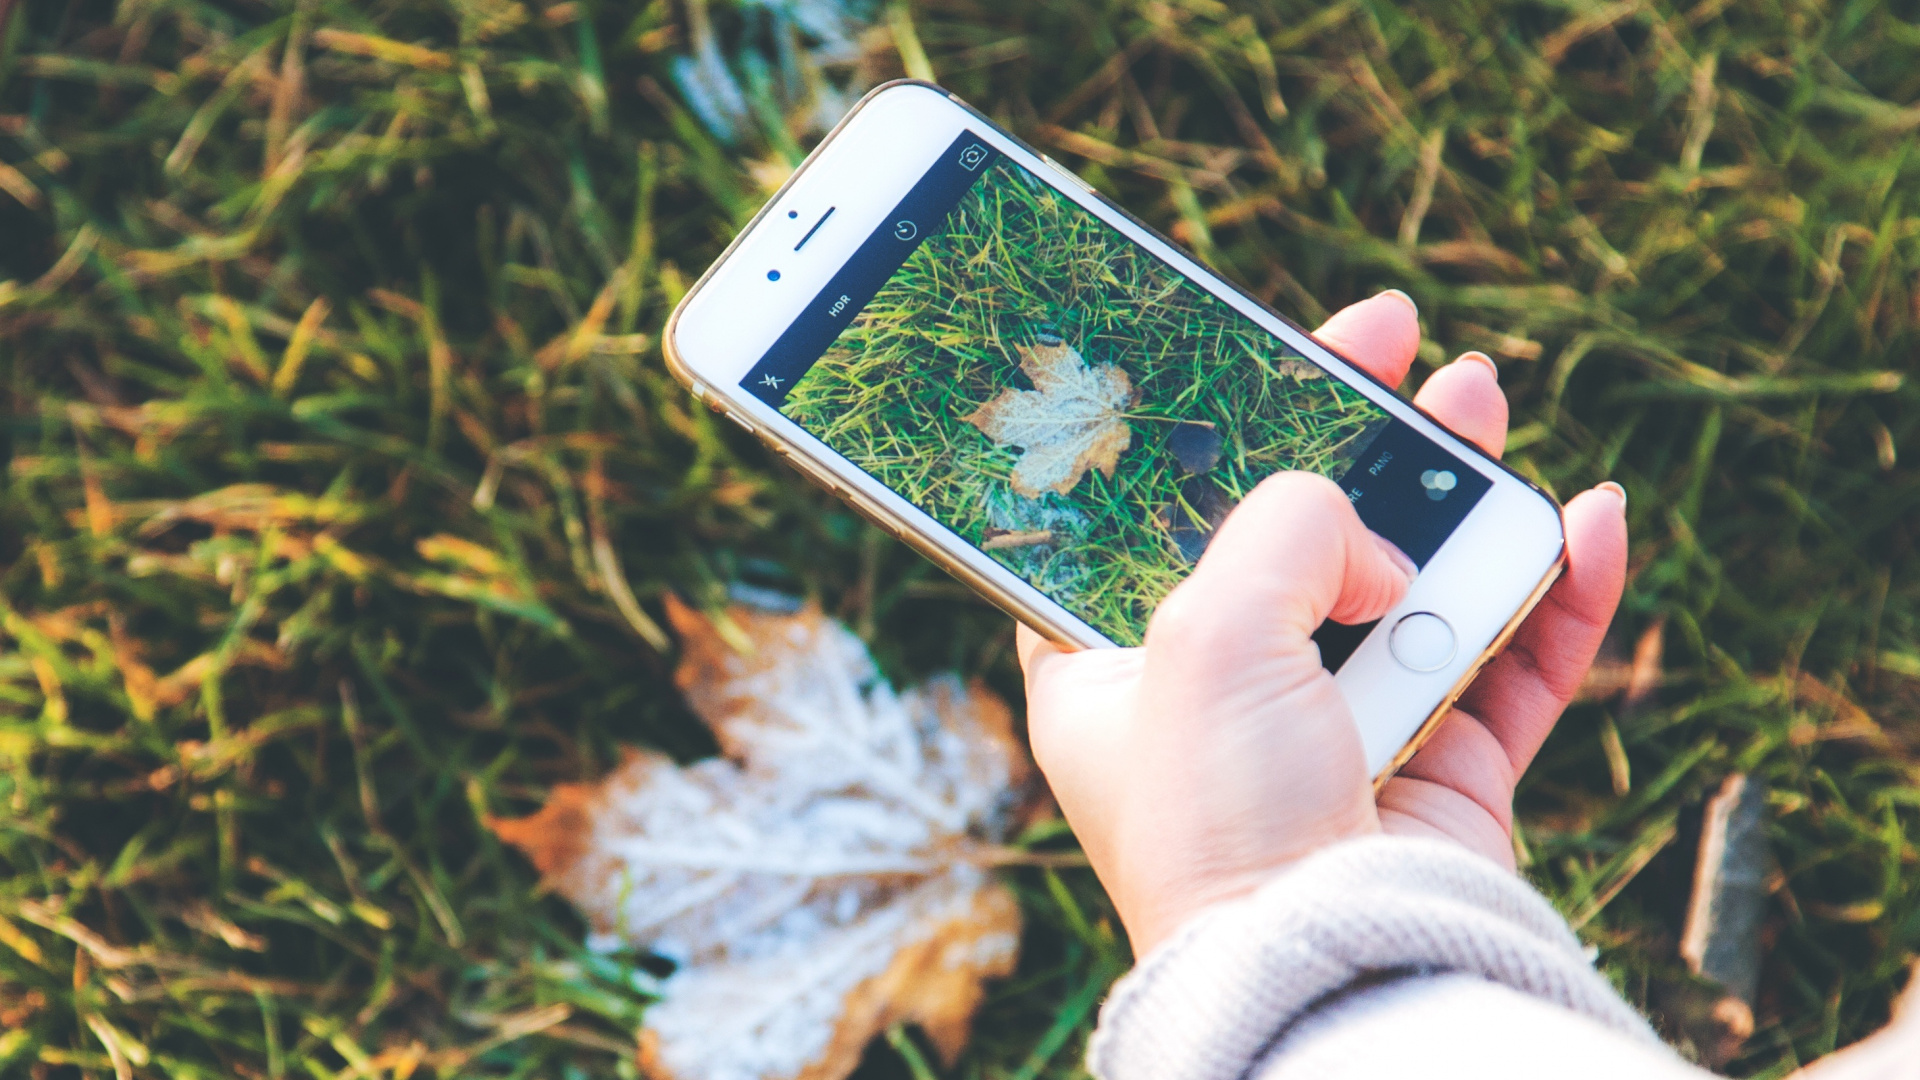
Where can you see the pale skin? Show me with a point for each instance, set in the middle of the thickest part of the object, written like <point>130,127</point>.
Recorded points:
<point>1199,765</point>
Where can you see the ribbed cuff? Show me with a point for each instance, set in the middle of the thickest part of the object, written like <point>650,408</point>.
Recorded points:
<point>1204,1005</point>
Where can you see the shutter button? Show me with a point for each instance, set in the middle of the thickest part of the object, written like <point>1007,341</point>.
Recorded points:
<point>1422,642</point>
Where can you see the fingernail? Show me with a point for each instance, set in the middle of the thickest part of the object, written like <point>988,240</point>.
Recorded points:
<point>1404,298</point>
<point>1397,557</point>
<point>1482,358</point>
<point>1609,485</point>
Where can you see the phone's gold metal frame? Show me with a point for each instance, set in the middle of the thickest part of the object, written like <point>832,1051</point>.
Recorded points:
<point>932,547</point>
<point>1440,712</point>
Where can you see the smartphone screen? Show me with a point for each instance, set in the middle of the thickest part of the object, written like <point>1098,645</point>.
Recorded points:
<point>1072,405</point>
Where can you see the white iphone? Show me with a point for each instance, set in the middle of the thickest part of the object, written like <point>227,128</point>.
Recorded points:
<point>1053,402</point>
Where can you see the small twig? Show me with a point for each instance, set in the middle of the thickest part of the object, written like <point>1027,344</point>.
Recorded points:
<point>1017,540</point>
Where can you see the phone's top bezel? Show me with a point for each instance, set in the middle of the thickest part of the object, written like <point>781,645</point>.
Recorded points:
<point>1073,187</point>
<point>1442,586</point>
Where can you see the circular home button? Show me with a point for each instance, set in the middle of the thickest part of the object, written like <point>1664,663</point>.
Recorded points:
<point>1422,642</point>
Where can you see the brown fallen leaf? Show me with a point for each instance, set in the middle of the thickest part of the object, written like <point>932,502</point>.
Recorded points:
<point>1646,674</point>
<point>821,881</point>
<point>1071,421</point>
<point>18,1005</point>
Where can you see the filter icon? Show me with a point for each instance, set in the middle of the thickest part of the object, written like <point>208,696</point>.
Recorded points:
<point>1438,483</point>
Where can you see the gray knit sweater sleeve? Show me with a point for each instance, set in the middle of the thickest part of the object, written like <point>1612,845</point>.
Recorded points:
<point>1380,935</point>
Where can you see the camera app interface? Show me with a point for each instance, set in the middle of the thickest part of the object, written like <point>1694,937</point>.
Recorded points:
<point>1068,403</point>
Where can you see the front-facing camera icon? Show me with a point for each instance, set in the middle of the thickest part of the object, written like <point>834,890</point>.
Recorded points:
<point>972,156</point>
<point>1438,482</point>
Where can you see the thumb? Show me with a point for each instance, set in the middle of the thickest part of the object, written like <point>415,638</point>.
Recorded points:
<point>1293,554</point>
<point>1244,753</point>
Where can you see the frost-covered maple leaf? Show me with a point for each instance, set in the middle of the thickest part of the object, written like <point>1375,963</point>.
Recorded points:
<point>1071,421</point>
<point>821,880</point>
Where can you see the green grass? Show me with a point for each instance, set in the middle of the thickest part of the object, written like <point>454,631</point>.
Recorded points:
<point>938,342</point>
<point>247,733</point>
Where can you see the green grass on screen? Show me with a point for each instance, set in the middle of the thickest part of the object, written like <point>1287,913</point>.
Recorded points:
<point>1016,261</point>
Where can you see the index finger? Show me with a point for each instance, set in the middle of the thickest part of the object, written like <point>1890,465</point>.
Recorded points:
<point>1381,335</point>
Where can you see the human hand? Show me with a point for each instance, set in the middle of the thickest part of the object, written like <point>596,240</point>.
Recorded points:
<point>1194,767</point>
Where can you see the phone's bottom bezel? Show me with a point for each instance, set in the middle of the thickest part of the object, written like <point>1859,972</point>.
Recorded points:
<point>1494,648</point>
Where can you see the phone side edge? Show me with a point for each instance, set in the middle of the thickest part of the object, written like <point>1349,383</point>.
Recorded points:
<point>1018,607</point>
<point>1010,603</point>
<point>1438,716</point>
